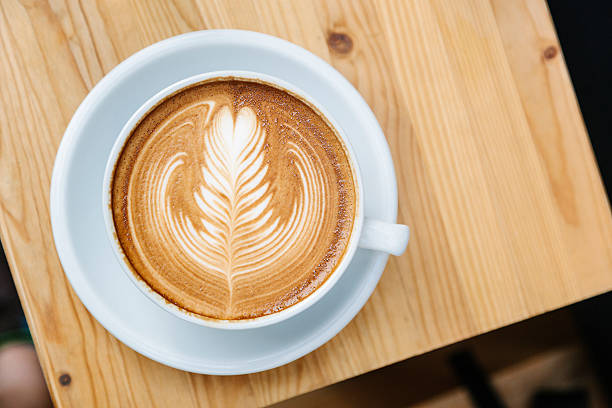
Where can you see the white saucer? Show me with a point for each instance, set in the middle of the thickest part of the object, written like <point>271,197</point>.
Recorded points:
<point>83,246</point>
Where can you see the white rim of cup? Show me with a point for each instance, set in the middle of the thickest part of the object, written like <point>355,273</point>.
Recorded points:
<point>159,300</point>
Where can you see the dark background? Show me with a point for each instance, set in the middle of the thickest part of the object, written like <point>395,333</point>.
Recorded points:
<point>585,32</point>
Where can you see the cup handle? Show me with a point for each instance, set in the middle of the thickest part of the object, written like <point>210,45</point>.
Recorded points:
<point>384,236</point>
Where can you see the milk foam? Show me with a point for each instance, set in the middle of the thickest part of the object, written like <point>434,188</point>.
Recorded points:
<point>231,213</point>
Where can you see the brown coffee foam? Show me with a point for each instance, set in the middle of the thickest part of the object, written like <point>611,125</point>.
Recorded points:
<point>229,285</point>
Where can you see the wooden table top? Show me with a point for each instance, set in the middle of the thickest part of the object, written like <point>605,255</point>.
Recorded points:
<point>496,178</point>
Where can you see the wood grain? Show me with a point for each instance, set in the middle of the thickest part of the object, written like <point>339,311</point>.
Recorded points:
<point>496,177</point>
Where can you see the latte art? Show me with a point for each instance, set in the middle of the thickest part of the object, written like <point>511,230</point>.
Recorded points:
<point>237,231</point>
<point>233,199</point>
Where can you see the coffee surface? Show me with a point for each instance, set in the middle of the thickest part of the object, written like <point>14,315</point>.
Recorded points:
<point>233,199</point>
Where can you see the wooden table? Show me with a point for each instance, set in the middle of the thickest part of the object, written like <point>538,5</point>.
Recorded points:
<point>496,178</point>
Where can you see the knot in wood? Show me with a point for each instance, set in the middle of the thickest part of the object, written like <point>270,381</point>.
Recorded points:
<point>550,52</point>
<point>65,379</point>
<point>340,43</point>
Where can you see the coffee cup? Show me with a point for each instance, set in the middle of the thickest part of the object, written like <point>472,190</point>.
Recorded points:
<point>366,233</point>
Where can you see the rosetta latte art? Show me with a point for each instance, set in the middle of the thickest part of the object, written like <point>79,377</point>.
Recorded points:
<point>238,231</point>
<point>233,211</point>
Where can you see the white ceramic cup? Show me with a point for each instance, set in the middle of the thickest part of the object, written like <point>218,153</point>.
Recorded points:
<point>367,233</point>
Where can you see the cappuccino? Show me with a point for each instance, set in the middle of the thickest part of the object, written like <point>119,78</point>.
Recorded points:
<point>233,199</point>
